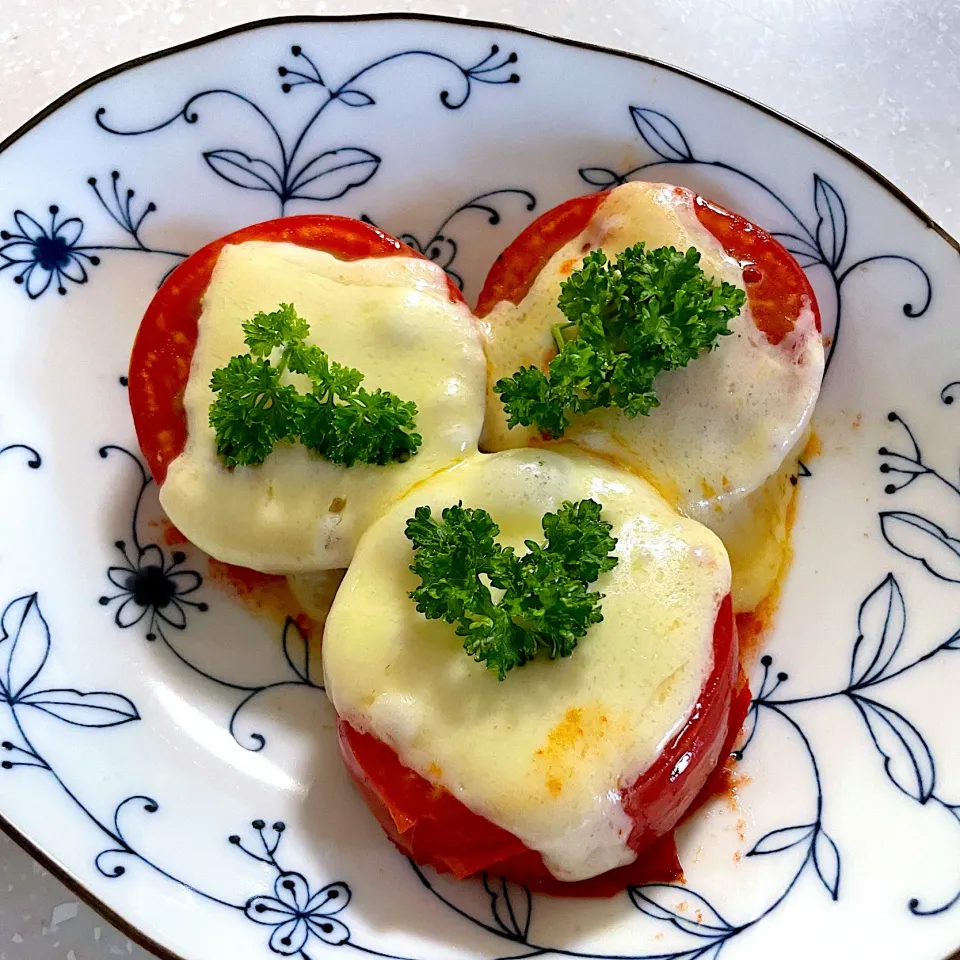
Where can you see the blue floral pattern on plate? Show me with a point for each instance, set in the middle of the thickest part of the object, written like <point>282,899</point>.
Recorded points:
<point>46,257</point>
<point>335,171</point>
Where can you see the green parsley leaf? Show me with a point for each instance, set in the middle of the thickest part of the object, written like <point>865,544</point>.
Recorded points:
<point>267,332</point>
<point>253,411</point>
<point>449,557</point>
<point>338,418</point>
<point>579,540</point>
<point>367,427</point>
<point>627,321</point>
<point>545,601</point>
<point>308,359</point>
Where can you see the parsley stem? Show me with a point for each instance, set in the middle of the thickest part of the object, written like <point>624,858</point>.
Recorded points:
<point>557,330</point>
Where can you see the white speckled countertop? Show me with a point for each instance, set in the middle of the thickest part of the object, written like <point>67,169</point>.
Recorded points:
<point>881,77</point>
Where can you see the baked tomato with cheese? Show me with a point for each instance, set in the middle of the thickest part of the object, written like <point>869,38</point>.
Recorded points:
<point>167,336</point>
<point>725,422</point>
<point>372,303</point>
<point>570,774</point>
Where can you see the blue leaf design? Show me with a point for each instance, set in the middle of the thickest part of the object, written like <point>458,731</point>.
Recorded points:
<point>355,98</point>
<point>95,709</point>
<point>602,178</point>
<point>832,222</point>
<point>245,171</point>
<point>907,759</point>
<point>806,254</point>
<point>652,899</point>
<point>776,841</point>
<point>880,626</point>
<point>921,539</point>
<point>334,172</point>
<point>296,649</point>
<point>826,858</point>
<point>24,646</point>
<point>511,905</point>
<point>661,135</point>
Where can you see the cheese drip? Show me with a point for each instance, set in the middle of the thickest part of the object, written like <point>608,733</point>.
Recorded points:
<point>546,753</point>
<point>391,318</point>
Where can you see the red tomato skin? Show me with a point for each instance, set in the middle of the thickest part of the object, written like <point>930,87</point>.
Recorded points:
<point>432,827</point>
<point>668,788</point>
<point>514,271</point>
<point>164,345</point>
<point>775,282</point>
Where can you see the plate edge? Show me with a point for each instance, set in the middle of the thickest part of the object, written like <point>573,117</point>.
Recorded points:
<point>76,887</point>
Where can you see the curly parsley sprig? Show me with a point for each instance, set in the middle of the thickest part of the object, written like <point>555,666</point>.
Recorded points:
<point>338,419</point>
<point>545,600</point>
<point>627,321</point>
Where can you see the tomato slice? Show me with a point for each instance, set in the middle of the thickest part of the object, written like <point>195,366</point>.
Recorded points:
<point>431,826</point>
<point>775,282</point>
<point>164,345</point>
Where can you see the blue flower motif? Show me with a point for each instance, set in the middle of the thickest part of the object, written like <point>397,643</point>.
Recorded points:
<point>46,254</point>
<point>150,583</point>
<point>296,914</point>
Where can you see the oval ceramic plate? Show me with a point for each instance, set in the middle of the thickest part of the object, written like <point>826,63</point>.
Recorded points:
<point>170,749</point>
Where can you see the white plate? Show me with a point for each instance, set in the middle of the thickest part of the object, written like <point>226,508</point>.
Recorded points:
<point>173,755</point>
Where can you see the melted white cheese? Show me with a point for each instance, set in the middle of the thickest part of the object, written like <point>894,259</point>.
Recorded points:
<point>545,753</point>
<point>315,591</point>
<point>391,317</point>
<point>756,532</point>
<point>725,422</point>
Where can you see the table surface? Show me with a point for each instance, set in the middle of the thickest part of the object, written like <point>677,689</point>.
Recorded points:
<point>881,77</point>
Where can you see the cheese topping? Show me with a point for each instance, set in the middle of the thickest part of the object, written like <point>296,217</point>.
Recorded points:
<point>391,318</point>
<point>545,753</point>
<point>756,532</point>
<point>726,422</point>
